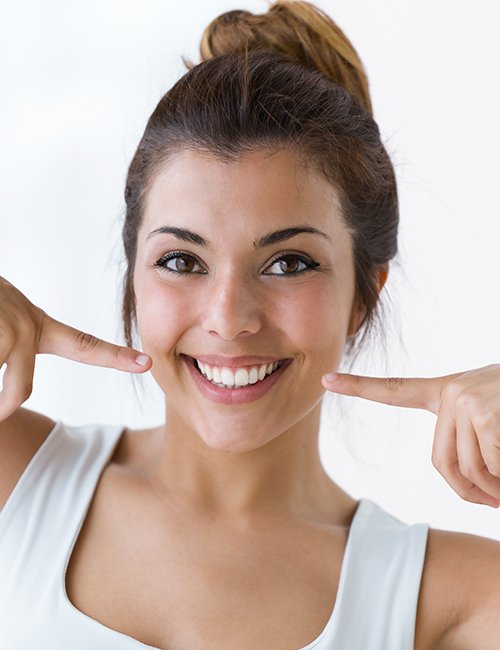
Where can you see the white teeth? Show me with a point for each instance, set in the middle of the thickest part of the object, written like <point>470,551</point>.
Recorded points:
<point>241,378</point>
<point>225,377</point>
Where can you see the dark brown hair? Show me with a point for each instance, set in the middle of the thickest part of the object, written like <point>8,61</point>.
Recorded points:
<point>290,79</point>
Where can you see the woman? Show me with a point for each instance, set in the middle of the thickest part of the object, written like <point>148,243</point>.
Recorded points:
<point>261,219</point>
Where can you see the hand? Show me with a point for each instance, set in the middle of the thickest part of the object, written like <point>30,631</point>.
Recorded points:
<point>466,449</point>
<point>26,330</point>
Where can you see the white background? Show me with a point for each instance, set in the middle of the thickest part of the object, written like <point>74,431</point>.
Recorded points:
<point>77,84</point>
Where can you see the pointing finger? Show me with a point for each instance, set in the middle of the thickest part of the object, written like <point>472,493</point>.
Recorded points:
<point>409,392</point>
<point>71,343</point>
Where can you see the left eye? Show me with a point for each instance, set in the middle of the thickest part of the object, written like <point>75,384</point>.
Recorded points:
<point>181,263</point>
<point>290,264</point>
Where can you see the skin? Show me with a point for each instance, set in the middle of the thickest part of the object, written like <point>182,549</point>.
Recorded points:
<point>459,598</point>
<point>267,450</point>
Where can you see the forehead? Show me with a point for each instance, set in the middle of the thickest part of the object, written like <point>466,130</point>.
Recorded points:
<point>249,194</point>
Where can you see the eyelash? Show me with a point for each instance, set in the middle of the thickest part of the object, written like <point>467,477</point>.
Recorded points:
<point>310,264</point>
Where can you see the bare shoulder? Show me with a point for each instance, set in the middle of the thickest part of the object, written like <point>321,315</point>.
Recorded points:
<point>21,435</point>
<point>459,600</point>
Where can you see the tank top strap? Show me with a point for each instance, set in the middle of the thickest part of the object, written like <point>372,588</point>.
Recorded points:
<point>377,601</point>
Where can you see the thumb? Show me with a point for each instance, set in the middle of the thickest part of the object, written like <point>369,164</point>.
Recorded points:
<point>409,392</point>
<point>66,341</point>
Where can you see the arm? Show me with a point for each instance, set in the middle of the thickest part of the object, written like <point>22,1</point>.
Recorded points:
<point>459,601</point>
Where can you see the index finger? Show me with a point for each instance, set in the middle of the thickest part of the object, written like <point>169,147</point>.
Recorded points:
<point>409,392</point>
<point>66,341</point>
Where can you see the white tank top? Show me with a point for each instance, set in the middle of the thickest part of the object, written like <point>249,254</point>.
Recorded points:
<point>375,607</point>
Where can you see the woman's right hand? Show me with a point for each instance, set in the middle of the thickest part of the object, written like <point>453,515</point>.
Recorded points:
<point>26,330</point>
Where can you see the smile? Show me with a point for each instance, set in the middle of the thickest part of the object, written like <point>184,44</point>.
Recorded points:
<point>238,385</point>
<point>227,378</point>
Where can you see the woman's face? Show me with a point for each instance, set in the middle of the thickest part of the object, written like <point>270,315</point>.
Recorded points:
<point>229,282</point>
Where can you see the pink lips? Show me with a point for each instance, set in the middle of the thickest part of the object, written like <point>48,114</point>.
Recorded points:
<point>243,395</point>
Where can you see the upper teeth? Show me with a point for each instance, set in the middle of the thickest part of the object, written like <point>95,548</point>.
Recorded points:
<point>242,377</point>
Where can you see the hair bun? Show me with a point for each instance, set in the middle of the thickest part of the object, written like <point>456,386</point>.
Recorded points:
<point>297,29</point>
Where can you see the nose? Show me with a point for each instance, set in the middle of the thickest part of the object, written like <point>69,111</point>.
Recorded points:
<point>232,309</point>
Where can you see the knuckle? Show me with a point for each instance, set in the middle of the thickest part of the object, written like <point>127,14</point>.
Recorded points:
<point>453,389</point>
<point>470,498</point>
<point>467,401</point>
<point>493,469</point>
<point>7,336</point>
<point>27,329</point>
<point>394,383</point>
<point>467,493</point>
<point>441,463</point>
<point>469,471</point>
<point>462,492</point>
<point>7,408</point>
<point>40,318</point>
<point>355,381</point>
<point>86,342</point>
<point>436,459</point>
<point>486,419</point>
<point>26,391</point>
<point>117,352</point>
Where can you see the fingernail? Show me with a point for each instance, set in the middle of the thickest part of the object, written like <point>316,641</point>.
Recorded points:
<point>331,377</point>
<point>142,359</point>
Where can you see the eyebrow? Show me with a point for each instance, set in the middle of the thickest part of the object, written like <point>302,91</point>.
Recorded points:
<point>266,240</point>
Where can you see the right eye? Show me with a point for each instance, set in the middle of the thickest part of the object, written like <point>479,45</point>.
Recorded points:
<point>182,263</point>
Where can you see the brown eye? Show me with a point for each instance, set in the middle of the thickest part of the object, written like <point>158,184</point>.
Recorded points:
<point>291,265</point>
<point>180,263</point>
<point>183,263</point>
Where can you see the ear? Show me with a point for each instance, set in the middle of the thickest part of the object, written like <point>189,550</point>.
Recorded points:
<point>382,273</point>
<point>358,313</point>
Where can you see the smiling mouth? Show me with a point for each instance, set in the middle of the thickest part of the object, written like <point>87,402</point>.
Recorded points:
<point>223,377</point>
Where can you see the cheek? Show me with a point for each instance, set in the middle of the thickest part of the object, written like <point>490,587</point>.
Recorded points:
<point>317,317</point>
<point>162,313</point>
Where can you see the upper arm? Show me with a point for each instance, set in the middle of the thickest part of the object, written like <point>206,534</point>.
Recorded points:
<point>459,601</point>
<point>21,435</point>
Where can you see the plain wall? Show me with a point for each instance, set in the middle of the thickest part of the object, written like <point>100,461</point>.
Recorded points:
<point>77,84</point>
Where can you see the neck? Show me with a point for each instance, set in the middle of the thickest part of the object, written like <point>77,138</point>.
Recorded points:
<point>283,478</point>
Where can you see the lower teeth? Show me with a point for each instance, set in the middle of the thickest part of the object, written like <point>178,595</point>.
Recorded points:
<point>224,385</point>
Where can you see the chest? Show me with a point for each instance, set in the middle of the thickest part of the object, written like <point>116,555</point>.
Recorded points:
<point>174,582</point>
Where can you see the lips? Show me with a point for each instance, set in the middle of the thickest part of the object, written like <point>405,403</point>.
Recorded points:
<point>237,377</point>
<point>233,396</point>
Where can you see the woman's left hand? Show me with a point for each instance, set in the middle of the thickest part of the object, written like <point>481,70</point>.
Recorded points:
<point>466,448</point>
